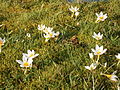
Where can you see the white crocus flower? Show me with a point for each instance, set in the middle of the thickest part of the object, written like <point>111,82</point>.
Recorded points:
<point>91,67</point>
<point>50,35</point>
<point>2,41</point>
<point>26,62</point>
<point>112,76</point>
<point>100,17</point>
<point>99,50</point>
<point>91,55</point>
<point>41,27</point>
<point>31,54</point>
<point>97,36</point>
<point>73,9</point>
<point>118,56</point>
<point>28,35</point>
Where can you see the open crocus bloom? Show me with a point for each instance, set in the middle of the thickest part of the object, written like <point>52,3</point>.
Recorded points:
<point>118,56</point>
<point>112,76</point>
<point>100,17</point>
<point>73,9</point>
<point>26,62</point>
<point>31,54</point>
<point>97,36</point>
<point>99,50</point>
<point>91,67</point>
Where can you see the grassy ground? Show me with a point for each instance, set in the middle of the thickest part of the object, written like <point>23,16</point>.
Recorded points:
<point>60,64</point>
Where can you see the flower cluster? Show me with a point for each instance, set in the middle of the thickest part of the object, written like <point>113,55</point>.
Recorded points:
<point>49,33</point>
<point>97,52</point>
<point>27,59</point>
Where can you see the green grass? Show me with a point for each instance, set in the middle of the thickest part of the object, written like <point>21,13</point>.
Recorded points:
<point>60,64</point>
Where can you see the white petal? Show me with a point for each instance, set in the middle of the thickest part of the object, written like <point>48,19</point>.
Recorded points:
<point>19,61</point>
<point>97,14</point>
<point>30,61</point>
<point>97,47</point>
<point>101,13</point>
<point>93,50</point>
<point>28,51</point>
<point>101,48</point>
<point>21,65</point>
<point>33,52</point>
<point>87,67</point>
<point>24,58</point>
<point>36,55</point>
<point>104,50</point>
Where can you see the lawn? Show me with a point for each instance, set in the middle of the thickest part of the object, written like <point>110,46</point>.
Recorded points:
<point>62,60</point>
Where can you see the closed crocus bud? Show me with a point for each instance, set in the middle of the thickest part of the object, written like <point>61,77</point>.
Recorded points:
<point>76,14</point>
<point>91,55</point>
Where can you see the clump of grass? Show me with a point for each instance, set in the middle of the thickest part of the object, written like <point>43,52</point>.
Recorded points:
<point>60,64</point>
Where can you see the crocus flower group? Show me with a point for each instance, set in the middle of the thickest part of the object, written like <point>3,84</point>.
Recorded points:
<point>27,59</point>
<point>49,33</point>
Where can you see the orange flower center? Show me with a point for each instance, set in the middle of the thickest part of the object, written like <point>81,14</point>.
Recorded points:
<point>98,52</point>
<point>1,42</point>
<point>26,64</point>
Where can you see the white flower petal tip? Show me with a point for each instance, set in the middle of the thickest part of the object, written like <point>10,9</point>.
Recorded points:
<point>118,56</point>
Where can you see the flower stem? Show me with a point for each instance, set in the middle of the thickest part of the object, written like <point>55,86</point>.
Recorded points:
<point>98,58</point>
<point>0,48</point>
<point>93,82</point>
<point>25,70</point>
<point>118,63</point>
<point>72,15</point>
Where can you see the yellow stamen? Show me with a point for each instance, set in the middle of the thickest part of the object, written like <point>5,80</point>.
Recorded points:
<point>26,64</point>
<point>98,52</point>
<point>101,18</point>
<point>51,34</point>
<point>31,55</point>
<point>109,76</point>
